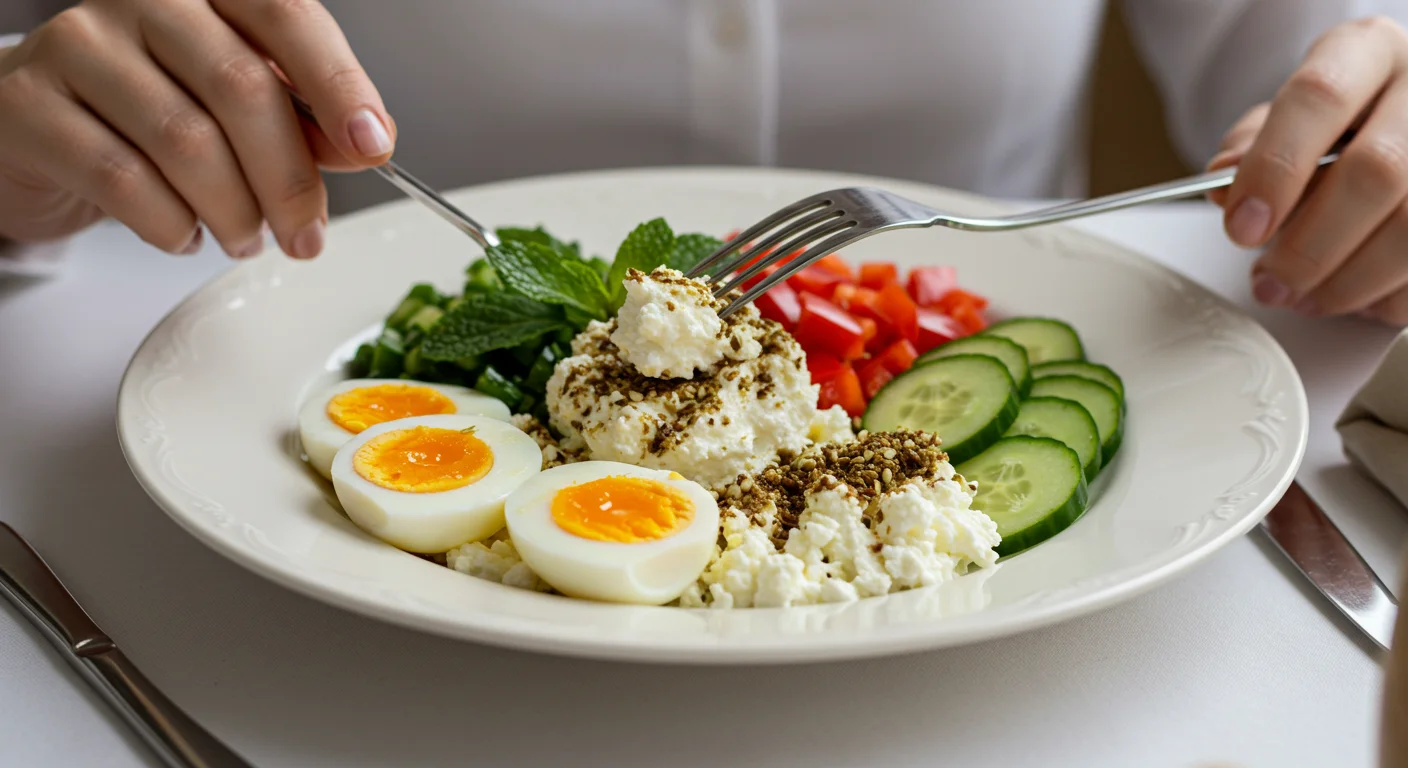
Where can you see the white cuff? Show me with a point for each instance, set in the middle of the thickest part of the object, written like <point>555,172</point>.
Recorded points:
<point>7,41</point>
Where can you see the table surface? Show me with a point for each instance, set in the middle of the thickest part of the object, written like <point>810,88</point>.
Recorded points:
<point>1236,662</point>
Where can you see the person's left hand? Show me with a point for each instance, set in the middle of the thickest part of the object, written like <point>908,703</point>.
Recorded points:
<point>1336,243</point>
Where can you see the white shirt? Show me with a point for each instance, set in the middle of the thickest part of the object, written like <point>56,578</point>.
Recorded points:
<point>988,95</point>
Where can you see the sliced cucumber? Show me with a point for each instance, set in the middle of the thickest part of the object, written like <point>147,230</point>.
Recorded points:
<point>1084,369</point>
<point>1032,487</point>
<point>1044,338</point>
<point>1063,420</point>
<point>1012,355</point>
<point>969,401</point>
<point>1101,401</point>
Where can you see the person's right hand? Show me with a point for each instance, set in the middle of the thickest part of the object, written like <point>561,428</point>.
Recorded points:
<point>168,116</point>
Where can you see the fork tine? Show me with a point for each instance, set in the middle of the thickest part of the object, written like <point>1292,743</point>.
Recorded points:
<point>833,222</point>
<point>831,244</point>
<point>782,214</point>
<point>794,233</point>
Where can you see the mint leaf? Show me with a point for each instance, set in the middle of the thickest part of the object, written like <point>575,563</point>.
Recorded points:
<point>647,247</point>
<point>540,236</point>
<point>489,321</point>
<point>692,248</point>
<point>536,271</point>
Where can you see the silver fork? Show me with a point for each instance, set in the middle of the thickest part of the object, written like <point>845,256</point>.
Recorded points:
<point>826,222</point>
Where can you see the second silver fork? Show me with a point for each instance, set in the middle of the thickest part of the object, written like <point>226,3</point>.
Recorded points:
<point>826,222</point>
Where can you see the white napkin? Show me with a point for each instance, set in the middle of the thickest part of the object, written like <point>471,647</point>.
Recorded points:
<point>1374,427</point>
<point>32,260</point>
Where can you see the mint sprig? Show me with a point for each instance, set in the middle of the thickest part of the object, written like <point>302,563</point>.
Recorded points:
<point>647,247</point>
<point>489,321</point>
<point>538,272</point>
<point>690,249</point>
<point>540,236</point>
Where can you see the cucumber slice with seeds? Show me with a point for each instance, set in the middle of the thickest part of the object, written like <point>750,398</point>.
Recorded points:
<point>1101,401</point>
<point>1032,487</point>
<point>969,401</point>
<point>1063,420</point>
<point>1084,369</point>
<point>1044,338</point>
<point>1009,352</point>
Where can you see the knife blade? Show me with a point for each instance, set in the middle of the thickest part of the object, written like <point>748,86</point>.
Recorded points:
<point>1317,548</point>
<point>28,582</point>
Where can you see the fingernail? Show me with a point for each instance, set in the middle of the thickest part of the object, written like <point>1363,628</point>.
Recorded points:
<point>1249,223</point>
<point>369,136</point>
<point>1308,306</point>
<point>1270,291</point>
<point>247,249</point>
<point>308,242</point>
<point>194,245</point>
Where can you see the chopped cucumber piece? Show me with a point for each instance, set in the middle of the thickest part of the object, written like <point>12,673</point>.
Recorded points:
<point>425,293</point>
<point>403,313</point>
<point>1012,355</point>
<point>969,401</point>
<point>470,362</point>
<point>1032,487</point>
<point>362,361</point>
<point>527,352</point>
<point>1101,401</point>
<point>495,384</point>
<point>426,318</point>
<point>415,364</point>
<point>1044,338</point>
<point>1092,371</point>
<point>482,277</point>
<point>542,368</point>
<point>1064,420</point>
<point>389,356</point>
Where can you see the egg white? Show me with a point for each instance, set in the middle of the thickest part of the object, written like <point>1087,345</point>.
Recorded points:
<point>646,573</point>
<point>437,522</point>
<point>322,437</point>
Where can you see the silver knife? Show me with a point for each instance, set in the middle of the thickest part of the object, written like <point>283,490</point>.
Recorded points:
<point>1300,529</point>
<point>177,739</point>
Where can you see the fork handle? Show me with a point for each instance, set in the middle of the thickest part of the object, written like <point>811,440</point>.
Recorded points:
<point>1168,190</point>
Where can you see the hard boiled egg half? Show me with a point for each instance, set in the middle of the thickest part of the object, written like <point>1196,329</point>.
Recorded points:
<point>429,483</point>
<point>335,414</point>
<point>614,532</point>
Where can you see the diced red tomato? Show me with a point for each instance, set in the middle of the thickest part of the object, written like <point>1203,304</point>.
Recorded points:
<point>825,327</point>
<point>927,285</point>
<point>868,328</point>
<point>896,307</point>
<point>815,280</point>
<point>836,266</point>
<point>843,390</point>
<point>873,375</point>
<point>970,318</point>
<point>957,298</point>
<point>758,278</point>
<point>936,328</point>
<point>732,233</point>
<point>898,357</point>
<point>781,304</point>
<point>822,367</point>
<point>878,274</point>
<point>847,296</point>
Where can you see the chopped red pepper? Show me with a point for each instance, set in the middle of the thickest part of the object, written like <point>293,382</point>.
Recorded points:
<point>758,278</point>
<point>878,274</point>
<point>957,298</point>
<point>843,390</point>
<point>970,318</point>
<point>836,266</point>
<point>781,304</point>
<point>822,367</point>
<point>847,296</point>
<point>815,280</point>
<point>896,307</point>
<point>927,285</point>
<point>936,328</point>
<point>825,327</point>
<point>898,357</point>
<point>873,375</point>
<point>869,329</point>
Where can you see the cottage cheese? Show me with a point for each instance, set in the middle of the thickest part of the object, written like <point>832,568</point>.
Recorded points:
<point>495,560</point>
<point>669,327</point>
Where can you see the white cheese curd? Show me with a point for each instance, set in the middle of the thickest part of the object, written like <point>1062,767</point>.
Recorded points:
<point>831,537</point>
<point>669,327</point>
<point>832,425</point>
<point>497,562</point>
<point>930,533</point>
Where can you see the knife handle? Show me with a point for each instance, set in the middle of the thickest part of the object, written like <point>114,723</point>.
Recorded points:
<point>31,585</point>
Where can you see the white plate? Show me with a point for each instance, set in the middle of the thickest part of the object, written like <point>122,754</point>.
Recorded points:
<point>1217,422</point>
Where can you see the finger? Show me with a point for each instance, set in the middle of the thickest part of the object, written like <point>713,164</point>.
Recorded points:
<point>54,137</point>
<point>307,45</point>
<point>1374,272</point>
<point>1392,310</point>
<point>233,83</point>
<point>1356,194</point>
<point>1234,144</point>
<point>1343,73</point>
<point>134,96</point>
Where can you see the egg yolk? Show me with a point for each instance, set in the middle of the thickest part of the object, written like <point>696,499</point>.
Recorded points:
<point>622,509</point>
<point>357,409</point>
<point>423,460</point>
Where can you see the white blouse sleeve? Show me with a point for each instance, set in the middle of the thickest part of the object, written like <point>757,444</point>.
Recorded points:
<point>1215,59</point>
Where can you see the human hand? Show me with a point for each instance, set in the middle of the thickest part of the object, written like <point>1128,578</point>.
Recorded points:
<point>1337,242</point>
<point>168,116</point>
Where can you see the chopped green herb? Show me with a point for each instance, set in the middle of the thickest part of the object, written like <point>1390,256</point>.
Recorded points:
<point>487,322</point>
<point>538,272</point>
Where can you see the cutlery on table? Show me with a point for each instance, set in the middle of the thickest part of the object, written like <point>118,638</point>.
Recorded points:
<point>1300,529</point>
<point>34,589</point>
<point>829,221</point>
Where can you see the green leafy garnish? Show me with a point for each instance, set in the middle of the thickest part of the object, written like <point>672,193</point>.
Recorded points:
<point>647,247</point>
<point>485,322</point>
<point>541,237</point>
<point>690,249</point>
<point>538,272</point>
<point>469,430</point>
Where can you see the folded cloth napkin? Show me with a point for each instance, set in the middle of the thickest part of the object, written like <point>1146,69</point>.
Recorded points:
<point>1374,426</point>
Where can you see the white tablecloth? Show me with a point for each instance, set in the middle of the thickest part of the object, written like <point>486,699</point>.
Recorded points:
<point>1237,662</point>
